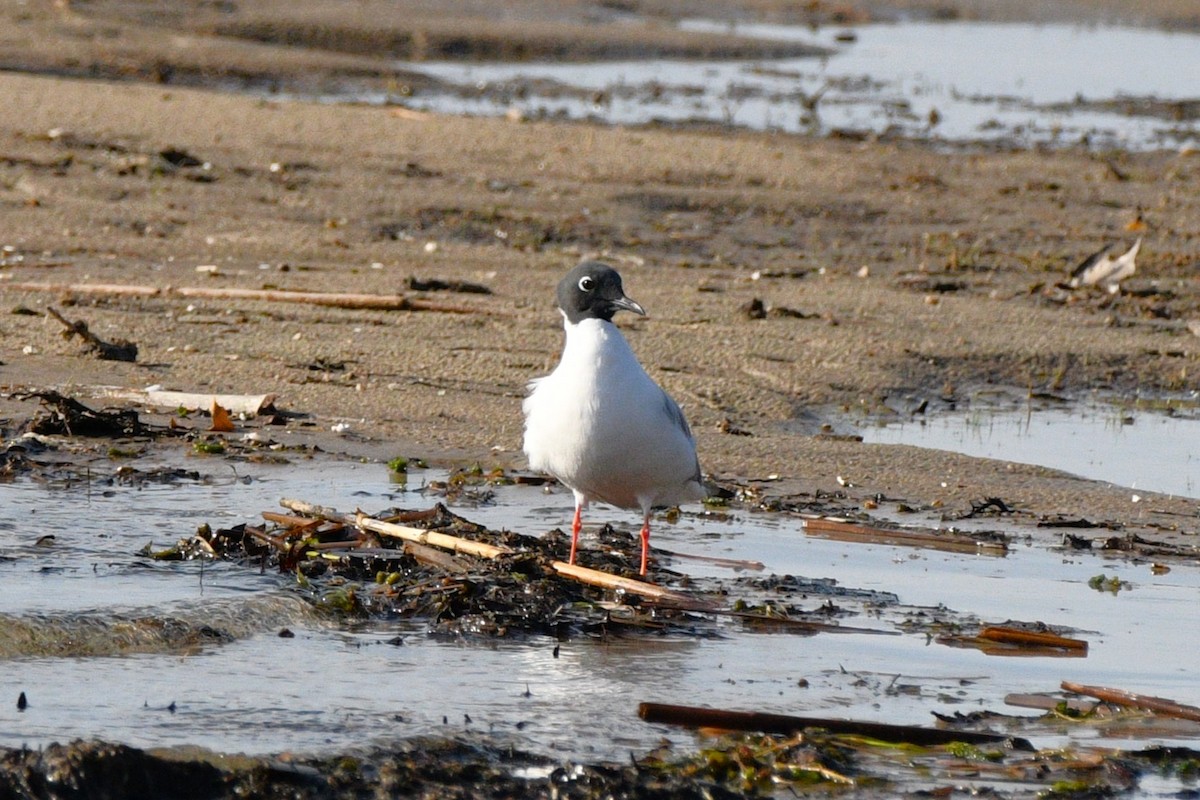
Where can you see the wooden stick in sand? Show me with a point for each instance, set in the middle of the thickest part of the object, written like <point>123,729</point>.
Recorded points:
<point>249,404</point>
<point>384,302</point>
<point>109,351</point>
<point>1120,697</point>
<point>693,717</point>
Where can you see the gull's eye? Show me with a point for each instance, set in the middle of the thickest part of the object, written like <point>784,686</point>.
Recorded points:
<point>587,283</point>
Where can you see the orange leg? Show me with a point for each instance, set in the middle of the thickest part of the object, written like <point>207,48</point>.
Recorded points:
<point>645,543</point>
<point>576,524</point>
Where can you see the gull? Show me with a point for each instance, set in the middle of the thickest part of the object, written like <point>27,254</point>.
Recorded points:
<point>1099,269</point>
<point>598,423</point>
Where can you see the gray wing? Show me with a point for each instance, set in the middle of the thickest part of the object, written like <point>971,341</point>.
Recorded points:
<point>1079,275</point>
<point>675,415</point>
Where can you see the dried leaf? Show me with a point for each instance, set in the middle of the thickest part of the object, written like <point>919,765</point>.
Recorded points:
<point>221,421</point>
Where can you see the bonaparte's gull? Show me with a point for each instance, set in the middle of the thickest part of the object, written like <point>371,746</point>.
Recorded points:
<point>598,423</point>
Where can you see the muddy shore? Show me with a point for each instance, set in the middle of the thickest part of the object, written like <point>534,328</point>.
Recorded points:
<point>892,275</point>
<point>794,284</point>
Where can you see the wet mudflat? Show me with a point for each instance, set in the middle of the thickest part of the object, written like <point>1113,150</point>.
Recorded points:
<point>1043,85</point>
<point>236,655</point>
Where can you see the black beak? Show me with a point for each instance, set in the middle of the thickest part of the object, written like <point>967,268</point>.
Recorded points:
<point>624,303</point>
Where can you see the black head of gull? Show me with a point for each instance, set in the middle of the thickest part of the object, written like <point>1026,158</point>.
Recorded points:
<point>593,291</point>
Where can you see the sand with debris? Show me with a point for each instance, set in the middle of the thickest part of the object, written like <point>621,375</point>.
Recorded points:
<point>891,274</point>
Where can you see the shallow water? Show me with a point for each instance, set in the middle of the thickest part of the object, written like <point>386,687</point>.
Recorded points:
<point>335,687</point>
<point>1023,84</point>
<point>1139,450</point>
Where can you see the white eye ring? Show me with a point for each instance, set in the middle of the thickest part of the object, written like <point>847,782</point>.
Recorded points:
<point>586,284</point>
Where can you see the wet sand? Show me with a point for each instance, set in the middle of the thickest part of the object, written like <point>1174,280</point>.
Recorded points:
<point>898,274</point>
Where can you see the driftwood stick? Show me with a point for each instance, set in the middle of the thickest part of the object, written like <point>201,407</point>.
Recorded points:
<point>365,522</point>
<point>414,516</point>
<point>844,531</point>
<point>384,302</point>
<point>1007,635</point>
<point>305,524</point>
<point>313,510</point>
<point>344,544</point>
<point>79,329</point>
<point>1120,697</point>
<point>1012,647</point>
<point>265,538</point>
<point>250,404</point>
<point>410,114</point>
<point>120,350</point>
<point>378,302</point>
<point>444,540</point>
<point>605,580</point>
<point>434,557</point>
<point>732,563</point>
<point>112,289</point>
<point>692,717</point>
<point>1046,702</point>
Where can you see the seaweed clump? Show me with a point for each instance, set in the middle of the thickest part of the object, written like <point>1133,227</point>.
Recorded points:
<point>346,570</point>
<point>423,767</point>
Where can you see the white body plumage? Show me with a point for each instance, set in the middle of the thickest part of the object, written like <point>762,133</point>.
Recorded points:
<point>604,428</point>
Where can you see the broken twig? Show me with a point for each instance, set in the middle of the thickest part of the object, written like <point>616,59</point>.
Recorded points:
<point>120,350</point>
<point>844,531</point>
<point>731,563</point>
<point>455,544</point>
<point>1009,635</point>
<point>650,591</point>
<point>435,557</point>
<point>380,302</point>
<point>1046,702</point>
<point>1005,640</point>
<point>419,535</point>
<point>295,525</point>
<point>1120,697</point>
